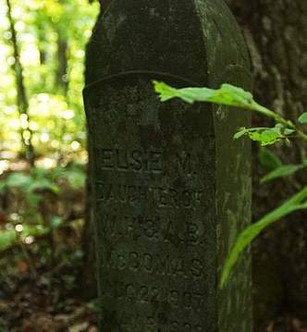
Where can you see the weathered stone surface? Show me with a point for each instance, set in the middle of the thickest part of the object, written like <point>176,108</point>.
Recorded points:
<point>172,189</point>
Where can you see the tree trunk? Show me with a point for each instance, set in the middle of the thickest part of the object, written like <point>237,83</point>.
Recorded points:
<point>276,32</point>
<point>62,70</point>
<point>22,99</point>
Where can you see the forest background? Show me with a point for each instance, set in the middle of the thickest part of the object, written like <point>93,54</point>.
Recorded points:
<point>43,164</point>
<point>46,268</point>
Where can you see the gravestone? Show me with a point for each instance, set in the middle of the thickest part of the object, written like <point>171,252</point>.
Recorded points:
<point>171,187</point>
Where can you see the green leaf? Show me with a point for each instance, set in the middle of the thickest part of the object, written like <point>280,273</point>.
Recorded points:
<point>75,175</point>
<point>56,222</point>
<point>268,159</point>
<point>296,202</point>
<point>34,230</point>
<point>44,184</point>
<point>33,199</point>
<point>266,136</point>
<point>280,172</point>
<point>303,118</point>
<point>288,131</point>
<point>3,186</point>
<point>76,178</point>
<point>228,95</point>
<point>18,180</point>
<point>7,238</point>
<point>241,132</point>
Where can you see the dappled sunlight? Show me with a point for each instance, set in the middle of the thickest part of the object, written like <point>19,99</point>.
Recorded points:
<point>42,161</point>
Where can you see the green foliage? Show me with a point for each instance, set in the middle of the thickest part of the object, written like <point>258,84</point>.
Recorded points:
<point>41,198</point>
<point>282,131</point>
<point>268,159</point>
<point>9,238</point>
<point>51,37</point>
<point>297,202</point>
<point>227,95</point>
<point>303,118</point>
<point>30,189</point>
<point>265,136</point>
<point>74,174</point>
<point>281,172</point>
<point>30,185</point>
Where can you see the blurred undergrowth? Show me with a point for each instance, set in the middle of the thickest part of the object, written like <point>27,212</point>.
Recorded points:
<point>43,136</point>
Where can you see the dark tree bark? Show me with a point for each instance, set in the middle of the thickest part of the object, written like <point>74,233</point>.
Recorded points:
<point>276,32</point>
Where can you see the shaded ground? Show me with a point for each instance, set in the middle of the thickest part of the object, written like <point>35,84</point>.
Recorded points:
<point>286,324</point>
<point>29,305</point>
<point>40,289</point>
<point>41,227</point>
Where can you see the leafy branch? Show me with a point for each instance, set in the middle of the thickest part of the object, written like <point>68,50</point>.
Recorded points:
<point>295,203</point>
<point>227,95</point>
<point>233,96</point>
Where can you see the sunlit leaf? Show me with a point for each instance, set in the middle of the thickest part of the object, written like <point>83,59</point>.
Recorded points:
<point>265,137</point>
<point>228,95</point>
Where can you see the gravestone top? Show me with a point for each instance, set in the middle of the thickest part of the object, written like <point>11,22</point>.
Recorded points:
<point>171,188</point>
<point>183,38</point>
